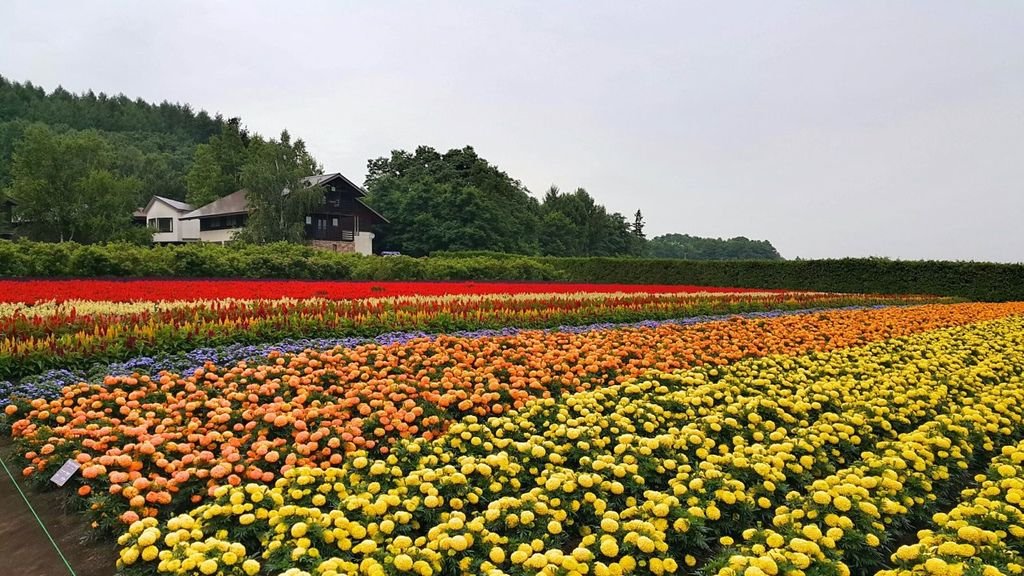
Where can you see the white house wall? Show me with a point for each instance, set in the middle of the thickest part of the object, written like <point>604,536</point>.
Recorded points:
<point>181,230</point>
<point>364,243</point>
<point>189,230</point>
<point>221,236</point>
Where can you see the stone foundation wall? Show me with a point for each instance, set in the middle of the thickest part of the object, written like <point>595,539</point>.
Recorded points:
<point>334,246</point>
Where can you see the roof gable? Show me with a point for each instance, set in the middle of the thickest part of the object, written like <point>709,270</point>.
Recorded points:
<point>175,204</point>
<point>334,178</point>
<point>372,211</point>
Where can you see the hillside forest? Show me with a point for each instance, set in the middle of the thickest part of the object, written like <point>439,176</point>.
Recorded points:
<point>74,167</point>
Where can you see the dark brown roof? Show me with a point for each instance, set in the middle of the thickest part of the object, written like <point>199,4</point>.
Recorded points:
<point>235,203</point>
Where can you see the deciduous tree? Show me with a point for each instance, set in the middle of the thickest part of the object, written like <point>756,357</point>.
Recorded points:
<point>278,198</point>
<point>65,187</point>
<point>451,201</point>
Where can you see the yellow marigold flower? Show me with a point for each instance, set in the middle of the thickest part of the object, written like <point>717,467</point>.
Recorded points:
<point>208,566</point>
<point>812,532</point>
<point>645,544</point>
<point>609,524</point>
<point>251,567</point>
<point>948,549</point>
<point>403,562</point>
<point>609,547</point>
<point>519,556</point>
<point>970,534</point>
<point>906,553</point>
<point>459,543</point>
<point>868,508</point>
<point>804,546</point>
<point>129,555</point>
<point>766,564</point>
<point>149,553</point>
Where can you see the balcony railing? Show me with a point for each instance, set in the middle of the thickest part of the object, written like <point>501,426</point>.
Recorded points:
<point>329,234</point>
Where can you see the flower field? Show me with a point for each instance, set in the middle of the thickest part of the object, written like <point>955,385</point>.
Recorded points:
<point>78,333</point>
<point>594,432</point>
<point>43,290</point>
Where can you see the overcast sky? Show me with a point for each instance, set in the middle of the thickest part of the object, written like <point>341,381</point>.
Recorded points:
<point>830,128</point>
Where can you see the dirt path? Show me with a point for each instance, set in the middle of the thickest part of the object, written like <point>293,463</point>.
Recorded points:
<point>24,548</point>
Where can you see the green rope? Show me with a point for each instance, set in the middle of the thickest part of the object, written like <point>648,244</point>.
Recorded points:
<point>33,510</point>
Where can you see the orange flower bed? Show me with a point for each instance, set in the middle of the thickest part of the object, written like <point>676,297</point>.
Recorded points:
<point>152,445</point>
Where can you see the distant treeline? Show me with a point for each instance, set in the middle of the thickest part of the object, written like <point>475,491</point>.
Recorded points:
<point>970,280</point>
<point>75,166</point>
<point>154,143</point>
<point>686,247</point>
<point>457,201</point>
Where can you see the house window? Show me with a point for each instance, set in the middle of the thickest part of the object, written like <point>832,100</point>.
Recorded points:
<point>309,220</point>
<point>334,222</point>
<point>161,224</point>
<point>223,222</point>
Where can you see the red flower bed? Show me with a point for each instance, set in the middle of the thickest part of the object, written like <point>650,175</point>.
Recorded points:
<point>30,291</point>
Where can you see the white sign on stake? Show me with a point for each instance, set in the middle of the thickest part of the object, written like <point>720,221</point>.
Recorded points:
<point>61,477</point>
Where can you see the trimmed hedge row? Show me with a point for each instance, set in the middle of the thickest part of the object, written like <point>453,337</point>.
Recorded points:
<point>972,280</point>
<point>202,260</point>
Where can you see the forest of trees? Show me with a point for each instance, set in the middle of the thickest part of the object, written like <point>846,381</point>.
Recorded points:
<point>457,201</point>
<point>154,143</point>
<point>688,247</point>
<point>75,166</point>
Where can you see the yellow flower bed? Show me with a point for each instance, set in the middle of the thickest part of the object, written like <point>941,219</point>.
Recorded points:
<point>846,518</point>
<point>983,535</point>
<point>649,477</point>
